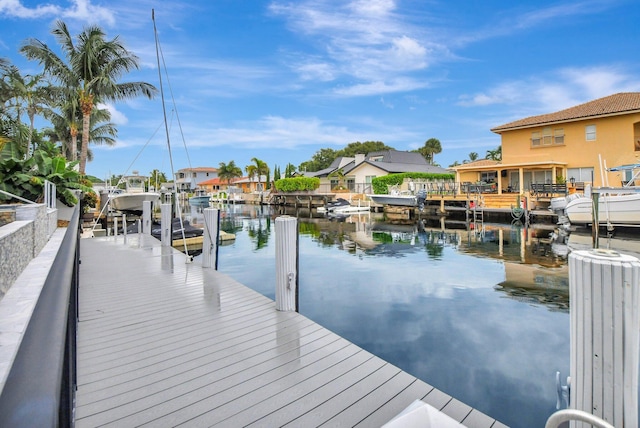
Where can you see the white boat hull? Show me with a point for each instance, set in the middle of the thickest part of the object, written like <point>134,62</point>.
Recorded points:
<point>614,209</point>
<point>396,200</point>
<point>132,202</point>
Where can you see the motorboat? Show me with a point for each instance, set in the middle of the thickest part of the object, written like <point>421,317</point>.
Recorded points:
<point>559,204</point>
<point>200,198</point>
<point>612,209</point>
<point>342,206</point>
<point>403,199</point>
<point>616,206</point>
<point>134,195</point>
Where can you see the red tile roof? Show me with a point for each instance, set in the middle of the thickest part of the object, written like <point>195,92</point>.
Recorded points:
<point>621,103</point>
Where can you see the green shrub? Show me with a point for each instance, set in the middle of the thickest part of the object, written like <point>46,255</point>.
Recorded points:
<point>297,184</point>
<point>381,184</point>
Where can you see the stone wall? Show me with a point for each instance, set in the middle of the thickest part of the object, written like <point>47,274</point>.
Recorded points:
<point>16,251</point>
<point>22,239</point>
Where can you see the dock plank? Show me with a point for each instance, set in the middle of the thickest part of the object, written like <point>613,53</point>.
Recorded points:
<point>163,342</point>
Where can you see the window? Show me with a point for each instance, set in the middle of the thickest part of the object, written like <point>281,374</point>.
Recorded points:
<point>580,174</point>
<point>488,176</point>
<point>558,136</point>
<point>535,139</point>
<point>546,136</point>
<point>590,132</point>
<point>369,178</point>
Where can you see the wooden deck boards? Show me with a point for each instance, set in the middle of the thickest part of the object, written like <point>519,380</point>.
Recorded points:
<point>165,343</point>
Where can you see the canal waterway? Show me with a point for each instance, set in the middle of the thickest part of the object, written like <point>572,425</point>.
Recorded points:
<point>480,313</point>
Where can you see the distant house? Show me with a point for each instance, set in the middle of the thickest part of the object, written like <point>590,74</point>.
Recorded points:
<point>187,179</point>
<point>358,171</point>
<point>564,146</point>
<point>243,184</point>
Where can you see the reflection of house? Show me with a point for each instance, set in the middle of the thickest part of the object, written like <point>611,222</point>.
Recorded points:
<point>564,145</point>
<point>188,178</point>
<point>358,171</point>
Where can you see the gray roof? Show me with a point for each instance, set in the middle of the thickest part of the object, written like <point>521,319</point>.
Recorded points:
<point>390,161</point>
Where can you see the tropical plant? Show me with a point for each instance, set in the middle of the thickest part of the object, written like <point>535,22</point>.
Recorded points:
<point>156,178</point>
<point>90,72</point>
<point>25,177</point>
<point>338,175</point>
<point>229,171</point>
<point>257,169</point>
<point>431,148</point>
<point>495,155</point>
<point>473,156</point>
<point>26,94</point>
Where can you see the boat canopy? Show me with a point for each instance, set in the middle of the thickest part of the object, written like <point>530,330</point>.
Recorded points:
<point>625,167</point>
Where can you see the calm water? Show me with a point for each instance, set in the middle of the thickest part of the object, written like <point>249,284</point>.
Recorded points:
<point>482,316</point>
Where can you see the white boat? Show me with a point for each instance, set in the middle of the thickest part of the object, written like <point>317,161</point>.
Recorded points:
<point>200,199</point>
<point>559,204</point>
<point>403,199</point>
<point>131,200</point>
<point>616,206</point>
<point>342,206</point>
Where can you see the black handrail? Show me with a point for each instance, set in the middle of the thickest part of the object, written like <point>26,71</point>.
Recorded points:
<point>40,387</point>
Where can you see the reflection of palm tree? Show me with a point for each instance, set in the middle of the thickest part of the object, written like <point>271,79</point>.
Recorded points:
<point>260,234</point>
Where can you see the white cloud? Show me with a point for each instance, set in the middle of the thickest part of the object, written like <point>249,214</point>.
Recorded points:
<point>117,117</point>
<point>81,10</point>
<point>15,9</point>
<point>560,89</point>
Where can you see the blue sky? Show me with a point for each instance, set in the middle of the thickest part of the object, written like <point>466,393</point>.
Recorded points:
<point>281,79</point>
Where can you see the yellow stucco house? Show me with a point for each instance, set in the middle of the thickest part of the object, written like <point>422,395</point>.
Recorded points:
<point>563,147</point>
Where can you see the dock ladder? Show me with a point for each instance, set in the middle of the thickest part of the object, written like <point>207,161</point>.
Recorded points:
<point>477,215</point>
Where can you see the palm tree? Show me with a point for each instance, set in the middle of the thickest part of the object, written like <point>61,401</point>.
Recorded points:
<point>26,94</point>
<point>431,148</point>
<point>257,169</point>
<point>65,129</point>
<point>92,69</point>
<point>229,171</point>
<point>495,155</point>
<point>339,175</point>
<point>473,156</point>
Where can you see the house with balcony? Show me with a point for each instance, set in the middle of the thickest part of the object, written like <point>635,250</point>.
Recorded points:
<point>568,149</point>
<point>187,179</point>
<point>358,171</point>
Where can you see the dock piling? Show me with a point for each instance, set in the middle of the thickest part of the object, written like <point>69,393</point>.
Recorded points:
<point>604,289</point>
<point>287,263</point>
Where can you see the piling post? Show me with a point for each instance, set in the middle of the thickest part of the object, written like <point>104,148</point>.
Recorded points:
<point>604,290</point>
<point>146,217</point>
<point>165,224</point>
<point>115,226</point>
<point>287,263</point>
<point>211,238</point>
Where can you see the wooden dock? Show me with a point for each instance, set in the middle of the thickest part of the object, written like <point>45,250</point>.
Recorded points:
<point>163,343</point>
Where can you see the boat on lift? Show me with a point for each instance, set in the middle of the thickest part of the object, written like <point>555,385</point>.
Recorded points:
<point>131,200</point>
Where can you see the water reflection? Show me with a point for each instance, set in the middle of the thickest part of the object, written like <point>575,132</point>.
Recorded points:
<point>480,314</point>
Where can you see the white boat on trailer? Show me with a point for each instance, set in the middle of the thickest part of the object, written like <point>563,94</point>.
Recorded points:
<point>616,206</point>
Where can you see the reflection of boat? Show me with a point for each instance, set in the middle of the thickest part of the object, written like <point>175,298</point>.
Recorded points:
<point>200,199</point>
<point>614,206</point>
<point>397,198</point>
<point>342,206</point>
<point>131,200</point>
